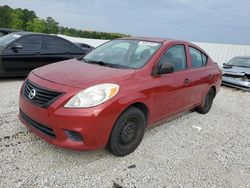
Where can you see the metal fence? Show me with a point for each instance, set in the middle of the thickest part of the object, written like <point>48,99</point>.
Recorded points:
<point>222,53</point>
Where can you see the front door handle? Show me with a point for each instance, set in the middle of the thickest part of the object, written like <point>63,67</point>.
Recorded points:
<point>187,81</point>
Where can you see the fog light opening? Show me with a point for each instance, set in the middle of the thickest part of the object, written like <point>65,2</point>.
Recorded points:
<point>74,136</point>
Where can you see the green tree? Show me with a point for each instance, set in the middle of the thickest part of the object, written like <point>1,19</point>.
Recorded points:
<point>26,16</point>
<point>5,16</point>
<point>27,20</point>
<point>51,26</point>
<point>36,25</point>
<point>16,20</point>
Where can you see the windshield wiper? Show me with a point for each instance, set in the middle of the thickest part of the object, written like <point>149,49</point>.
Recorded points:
<point>243,66</point>
<point>102,63</point>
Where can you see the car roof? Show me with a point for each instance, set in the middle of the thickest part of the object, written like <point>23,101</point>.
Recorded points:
<point>157,39</point>
<point>151,39</point>
<point>8,30</point>
<point>23,33</point>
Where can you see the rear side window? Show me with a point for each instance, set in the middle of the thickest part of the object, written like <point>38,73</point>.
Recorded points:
<point>56,45</point>
<point>204,59</point>
<point>176,56</point>
<point>198,58</point>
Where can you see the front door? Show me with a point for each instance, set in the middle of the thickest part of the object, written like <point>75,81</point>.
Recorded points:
<point>172,94</point>
<point>26,57</point>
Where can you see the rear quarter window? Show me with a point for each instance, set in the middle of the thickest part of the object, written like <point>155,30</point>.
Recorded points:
<point>198,58</point>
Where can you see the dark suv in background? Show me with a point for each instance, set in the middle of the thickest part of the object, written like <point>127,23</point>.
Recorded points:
<point>21,52</point>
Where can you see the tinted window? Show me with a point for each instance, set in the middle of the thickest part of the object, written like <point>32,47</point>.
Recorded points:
<point>198,58</point>
<point>58,45</point>
<point>30,43</point>
<point>176,56</point>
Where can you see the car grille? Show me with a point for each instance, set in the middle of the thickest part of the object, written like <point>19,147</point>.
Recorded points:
<point>46,130</point>
<point>38,95</point>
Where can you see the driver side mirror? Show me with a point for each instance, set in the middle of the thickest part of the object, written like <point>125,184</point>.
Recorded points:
<point>164,68</point>
<point>16,46</point>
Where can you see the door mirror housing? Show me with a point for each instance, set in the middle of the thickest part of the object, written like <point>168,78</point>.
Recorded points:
<point>166,68</point>
<point>16,46</point>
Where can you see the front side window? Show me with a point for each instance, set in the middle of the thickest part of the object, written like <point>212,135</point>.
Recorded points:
<point>123,53</point>
<point>176,56</point>
<point>30,43</point>
<point>198,58</point>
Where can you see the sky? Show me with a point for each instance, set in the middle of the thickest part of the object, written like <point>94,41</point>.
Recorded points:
<point>220,21</point>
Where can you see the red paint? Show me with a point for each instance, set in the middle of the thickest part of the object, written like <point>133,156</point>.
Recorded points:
<point>163,95</point>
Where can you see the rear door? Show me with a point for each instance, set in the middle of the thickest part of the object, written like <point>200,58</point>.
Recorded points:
<point>58,49</point>
<point>26,58</point>
<point>200,74</point>
<point>172,93</point>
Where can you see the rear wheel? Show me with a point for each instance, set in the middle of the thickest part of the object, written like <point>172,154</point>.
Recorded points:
<point>127,132</point>
<point>207,102</point>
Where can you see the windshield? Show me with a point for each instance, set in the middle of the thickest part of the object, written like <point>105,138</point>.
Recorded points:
<point>5,40</point>
<point>123,53</point>
<point>240,62</point>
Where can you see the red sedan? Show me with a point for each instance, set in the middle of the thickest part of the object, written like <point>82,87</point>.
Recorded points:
<point>109,97</point>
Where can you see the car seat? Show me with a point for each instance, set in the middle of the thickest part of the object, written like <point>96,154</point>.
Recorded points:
<point>145,54</point>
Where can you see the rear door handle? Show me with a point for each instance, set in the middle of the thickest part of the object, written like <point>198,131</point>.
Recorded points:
<point>187,81</point>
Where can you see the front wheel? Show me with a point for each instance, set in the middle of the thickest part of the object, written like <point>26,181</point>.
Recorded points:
<point>207,102</point>
<point>128,132</point>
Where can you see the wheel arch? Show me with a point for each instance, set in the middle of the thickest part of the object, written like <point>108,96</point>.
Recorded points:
<point>141,106</point>
<point>214,89</point>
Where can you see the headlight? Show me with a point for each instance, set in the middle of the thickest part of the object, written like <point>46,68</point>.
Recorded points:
<point>93,96</point>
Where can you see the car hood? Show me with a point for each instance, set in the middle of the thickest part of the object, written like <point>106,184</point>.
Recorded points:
<point>236,70</point>
<point>77,73</point>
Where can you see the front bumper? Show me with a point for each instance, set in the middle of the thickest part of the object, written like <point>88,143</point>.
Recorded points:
<point>94,124</point>
<point>235,82</point>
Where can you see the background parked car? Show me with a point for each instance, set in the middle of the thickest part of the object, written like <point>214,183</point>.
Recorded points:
<point>85,46</point>
<point>21,52</point>
<point>4,31</point>
<point>236,73</point>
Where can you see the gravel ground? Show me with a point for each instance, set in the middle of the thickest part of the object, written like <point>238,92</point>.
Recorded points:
<point>193,150</point>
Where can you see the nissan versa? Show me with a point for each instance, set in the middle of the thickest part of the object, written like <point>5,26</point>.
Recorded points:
<point>109,97</point>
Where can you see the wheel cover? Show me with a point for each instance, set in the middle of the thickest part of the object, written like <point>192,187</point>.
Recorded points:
<point>128,131</point>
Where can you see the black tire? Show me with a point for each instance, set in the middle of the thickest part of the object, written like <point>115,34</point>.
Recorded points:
<point>207,102</point>
<point>127,132</point>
